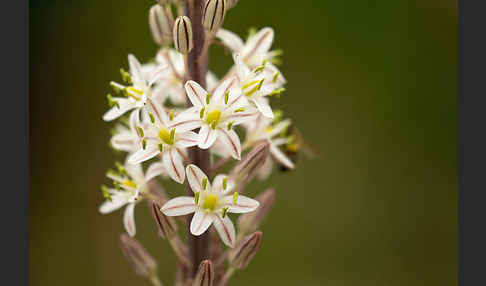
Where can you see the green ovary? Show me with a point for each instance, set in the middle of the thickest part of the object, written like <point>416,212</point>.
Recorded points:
<point>210,202</point>
<point>213,117</point>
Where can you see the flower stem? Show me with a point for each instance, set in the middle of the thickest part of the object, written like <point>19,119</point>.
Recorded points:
<point>197,69</point>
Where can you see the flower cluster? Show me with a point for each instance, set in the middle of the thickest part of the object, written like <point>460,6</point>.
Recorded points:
<point>163,116</point>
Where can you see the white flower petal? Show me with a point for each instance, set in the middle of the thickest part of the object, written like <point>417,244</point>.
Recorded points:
<point>265,170</point>
<point>186,121</point>
<point>156,74</point>
<point>158,111</point>
<point>226,230</point>
<point>125,141</point>
<point>134,120</point>
<point>179,206</point>
<point>281,157</point>
<point>125,105</point>
<point>240,117</point>
<point>243,204</point>
<point>195,177</point>
<point>117,201</point>
<point>222,89</point>
<point>279,127</point>
<point>211,81</point>
<point>263,106</point>
<point>196,94</point>
<point>136,71</point>
<point>187,139</point>
<point>230,39</point>
<point>174,165</point>
<point>236,99</point>
<point>258,44</point>
<point>200,222</point>
<point>143,155</point>
<point>232,142</point>
<point>207,136</point>
<point>241,69</point>
<point>154,170</point>
<point>218,184</point>
<point>135,171</point>
<point>129,219</point>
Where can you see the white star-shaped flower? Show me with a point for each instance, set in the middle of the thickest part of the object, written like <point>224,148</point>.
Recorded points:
<point>210,204</point>
<point>130,188</point>
<point>255,50</point>
<point>128,139</point>
<point>265,129</point>
<point>161,138</point>
<point>137,93</point>
<point>216,115</point>
<point>170,84</point>
<point>259,83</point>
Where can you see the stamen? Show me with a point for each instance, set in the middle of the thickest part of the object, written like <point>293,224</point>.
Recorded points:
<point>112,102</point>
<point>171,115</point>
<point>230,125</point>
<point>140,131</point>
<point>224,211</point>
<point>201,113</point>
<point>225,183</point>
<point>161,147</point>
<point>241,109</point>
<point>144,144</point>
<point>255,89</point>
<point>275,76</point>
<point>130,184</point>
<point>126,76</point>
<point>105,192</point>
<point>120,168</point>
<point>249,84</point>
<point>117,186</point>
<point>196,197</point>
<point>235,197</point>
<point>152,118</point>
<point>226,97</point>
<point>208,97</point>
<point>204,183</point>
<point>172,135</point>
<point>128,94</point>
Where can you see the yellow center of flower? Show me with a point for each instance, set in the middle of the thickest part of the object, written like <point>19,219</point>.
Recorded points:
<point>210,202</point>
<point>164,135</point>
<point>130,184</point>
<point>213,117</point>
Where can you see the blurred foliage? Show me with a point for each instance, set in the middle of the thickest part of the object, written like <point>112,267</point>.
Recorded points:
<point>372,86</point>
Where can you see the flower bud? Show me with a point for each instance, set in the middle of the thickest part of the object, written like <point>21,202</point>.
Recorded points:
<point>251,163</point>
<point>213,14</point>
<point>246,250</point>
<point>183,34</point>
<point>137,256</point>
<point>166,225</point>
<point>161,22</point>
<point>231,3</point>
<point>204,275</point>
<point>250,222</point>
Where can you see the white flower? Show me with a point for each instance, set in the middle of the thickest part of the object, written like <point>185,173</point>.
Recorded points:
<point>137,93</point>
<point>130,188</point>
<point>216,115</point>
<point>255,50</point>
<point>210,204</point>
<point>171,81</point>
<point>169,142</point>
<point>264,129</point>
<point>263,81</point>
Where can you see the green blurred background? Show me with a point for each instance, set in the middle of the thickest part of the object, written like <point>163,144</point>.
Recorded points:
<point>372,85</point>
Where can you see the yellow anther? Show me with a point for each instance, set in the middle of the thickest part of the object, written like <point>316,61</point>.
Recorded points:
<point>164,135</point>
<point>249,84</point>
<point>210,202</point>
<point>224,211</point>
<point>213,117</point>
<point>131,88</point>
<point>171,115</point>
<point>204,183</point>
<point>225,183</point>
<point>275,76</point>
<point>201,113</point>
<point>196,197</point>
<point>235,197</point>
<point>130,184</point>
<point>255,89</point>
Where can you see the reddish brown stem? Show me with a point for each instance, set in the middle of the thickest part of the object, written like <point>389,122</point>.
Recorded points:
<point>197,68</point>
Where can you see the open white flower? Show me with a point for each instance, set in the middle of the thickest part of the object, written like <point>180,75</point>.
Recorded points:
<point>137,93</point>
<point>160,138</point>
<point>259,83</point>
<point>210,204</point>
<point>255,50</point>
<point>265,129</point>
<point>216,115</point>
<point>130,188</point>
<point>171,82</point>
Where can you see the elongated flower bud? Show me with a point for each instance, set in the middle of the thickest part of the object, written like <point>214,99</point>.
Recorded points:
<point>183,34</point>
<point>213,14</point>
<point>166,225</point>
<point>161,23</point>
<point>204,275</point>
<point>246,250</point>
<point>250,222</point>
<point>231,3</point>
<point>251,163</point>
<point>137,256</point>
